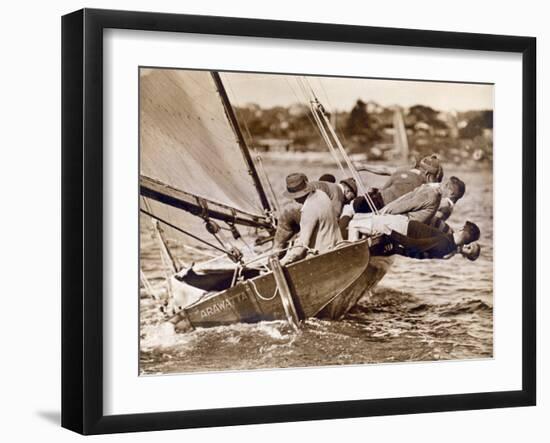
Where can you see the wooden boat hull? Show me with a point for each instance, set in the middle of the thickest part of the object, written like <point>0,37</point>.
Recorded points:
<point>327,283</point>
<point>376,270</point>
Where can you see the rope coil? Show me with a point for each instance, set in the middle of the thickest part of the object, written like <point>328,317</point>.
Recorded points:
<point>252,284</point>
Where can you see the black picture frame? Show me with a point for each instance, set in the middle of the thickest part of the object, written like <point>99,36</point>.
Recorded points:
<point>82,220</point>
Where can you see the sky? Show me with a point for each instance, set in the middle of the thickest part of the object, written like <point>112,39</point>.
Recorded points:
<point>342,93</point>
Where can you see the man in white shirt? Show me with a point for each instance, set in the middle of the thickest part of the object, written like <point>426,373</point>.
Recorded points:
<point>340,194</point>
<point>319,231</point>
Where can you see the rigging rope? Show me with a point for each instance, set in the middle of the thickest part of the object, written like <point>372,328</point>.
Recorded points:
<point>327,139</point>
<point>275,200</point>
<point>348,161</point>
<point>215,230</point>
<point>339,131</point>
<point>299,100</point>
<point>305,85</point>
<point>163,243</point>
<point>318,113</point>
<point>177,228</point>
<point>169,262</point>
<point>147,285</point>
<point>314,121</point>
<point>167,279</point>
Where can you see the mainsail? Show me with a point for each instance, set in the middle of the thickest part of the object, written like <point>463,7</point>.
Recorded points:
<point>192,155</point>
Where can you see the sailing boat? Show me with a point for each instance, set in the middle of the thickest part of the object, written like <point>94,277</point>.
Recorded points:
<point>198,180</point>
<point>401,144</point>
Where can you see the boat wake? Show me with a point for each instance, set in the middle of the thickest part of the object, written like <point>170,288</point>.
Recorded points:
<point>386,327</point>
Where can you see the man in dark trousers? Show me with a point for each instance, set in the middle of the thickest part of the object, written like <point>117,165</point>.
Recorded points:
<point>426,242</point>
<point>415,239</point>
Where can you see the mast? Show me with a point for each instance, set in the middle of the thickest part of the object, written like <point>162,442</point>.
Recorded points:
<point>240,139</point>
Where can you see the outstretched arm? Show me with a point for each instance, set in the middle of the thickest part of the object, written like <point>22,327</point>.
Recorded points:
<point>288,225</point>
<point>282,237</point>
<point>375,169</point>
<point>308,225</point>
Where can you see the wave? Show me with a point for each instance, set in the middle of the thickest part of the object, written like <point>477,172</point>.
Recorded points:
<point>466,307</point>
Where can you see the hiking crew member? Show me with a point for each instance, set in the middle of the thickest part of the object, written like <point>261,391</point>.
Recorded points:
<point>318,225</point>
<point>423,203</point>
<point>445,210</point>
<point>401,181</point>
<point>425,242</point>
<point>417,240</point>
<point>419,205</point>
<point>425,163</point>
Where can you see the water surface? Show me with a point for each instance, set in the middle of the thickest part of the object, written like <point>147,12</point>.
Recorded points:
<point>423,310</point>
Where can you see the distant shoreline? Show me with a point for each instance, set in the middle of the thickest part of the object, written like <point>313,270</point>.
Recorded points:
<point>325,159</point>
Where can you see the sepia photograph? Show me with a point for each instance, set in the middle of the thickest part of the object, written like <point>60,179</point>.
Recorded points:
<point>300,220</point>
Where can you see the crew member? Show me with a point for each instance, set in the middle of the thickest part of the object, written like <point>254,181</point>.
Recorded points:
<point>423,203</point>
<point>319,230</point>
<point>340,194</point>
<point>417,240</point>
<point>446,208</point>
<point>288,223</point>
<point>401,181</point>
<point>425,242</point>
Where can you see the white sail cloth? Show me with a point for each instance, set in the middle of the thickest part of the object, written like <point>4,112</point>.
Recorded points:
<point>187,142</point>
